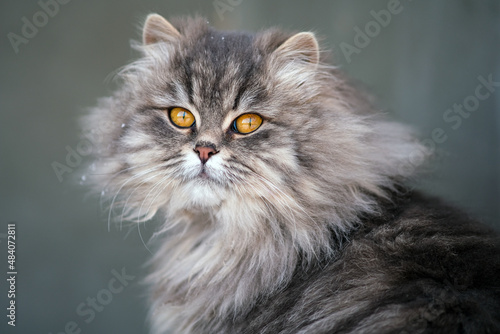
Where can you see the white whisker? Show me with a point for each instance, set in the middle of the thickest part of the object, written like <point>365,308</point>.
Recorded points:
<point>132,178</point>
<point>125,207</point>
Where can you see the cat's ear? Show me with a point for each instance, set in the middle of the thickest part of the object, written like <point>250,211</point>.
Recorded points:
<point>302,46</point>
<point>157,29</point>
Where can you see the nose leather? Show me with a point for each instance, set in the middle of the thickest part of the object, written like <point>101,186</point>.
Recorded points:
<point>205,152</point>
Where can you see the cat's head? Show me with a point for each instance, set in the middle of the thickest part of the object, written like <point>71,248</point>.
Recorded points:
<point>255,126</point>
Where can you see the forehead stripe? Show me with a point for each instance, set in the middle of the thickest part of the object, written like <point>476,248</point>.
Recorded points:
<point>244,85</point>
<point>188,78</point>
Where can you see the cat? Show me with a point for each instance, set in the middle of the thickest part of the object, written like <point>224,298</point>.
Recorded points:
<point>284,194</point>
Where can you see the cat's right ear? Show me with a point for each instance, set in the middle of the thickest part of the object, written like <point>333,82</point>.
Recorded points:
<point>157,29</point>
<point>302,47</point>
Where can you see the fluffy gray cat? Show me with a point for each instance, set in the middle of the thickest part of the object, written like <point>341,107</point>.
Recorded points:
<point>283,195</point>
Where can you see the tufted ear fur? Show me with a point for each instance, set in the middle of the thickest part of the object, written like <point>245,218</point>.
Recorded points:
<point>302,46</point>
<point>157,29</point>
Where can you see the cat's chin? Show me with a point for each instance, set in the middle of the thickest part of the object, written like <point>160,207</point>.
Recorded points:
<point>202,192</point>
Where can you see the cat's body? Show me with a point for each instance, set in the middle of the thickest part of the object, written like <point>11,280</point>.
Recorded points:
<point>418,267</point>
<point>283,195</point>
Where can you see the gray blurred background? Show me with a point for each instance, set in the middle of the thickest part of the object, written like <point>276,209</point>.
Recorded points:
<point>430,56</point>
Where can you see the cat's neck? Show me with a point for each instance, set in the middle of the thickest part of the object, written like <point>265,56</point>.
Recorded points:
<point>221,261</point>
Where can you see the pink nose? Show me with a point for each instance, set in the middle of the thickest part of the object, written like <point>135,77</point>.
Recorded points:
<point>204,152</point>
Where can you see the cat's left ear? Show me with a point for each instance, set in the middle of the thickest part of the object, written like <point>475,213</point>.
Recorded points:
<point>157,29</point>
<point>302,47</point>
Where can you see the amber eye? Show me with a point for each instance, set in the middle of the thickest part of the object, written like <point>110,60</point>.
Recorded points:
<point>247,123</point>
<point>181,117</point>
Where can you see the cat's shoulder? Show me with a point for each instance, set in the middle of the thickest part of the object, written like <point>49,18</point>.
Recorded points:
<point>419,230</point>
<point>425,248</point>
<point>421,217</point>
<point>421,264</point>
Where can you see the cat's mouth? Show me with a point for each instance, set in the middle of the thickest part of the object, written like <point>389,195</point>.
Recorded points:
<point>209,175</point>
<point>204,173</point>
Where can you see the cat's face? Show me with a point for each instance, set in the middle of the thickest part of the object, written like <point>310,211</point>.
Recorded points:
<point>214,84</point>
<point>210,119</point>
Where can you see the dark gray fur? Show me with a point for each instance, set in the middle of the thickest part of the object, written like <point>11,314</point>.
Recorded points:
<point>439,271</point>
